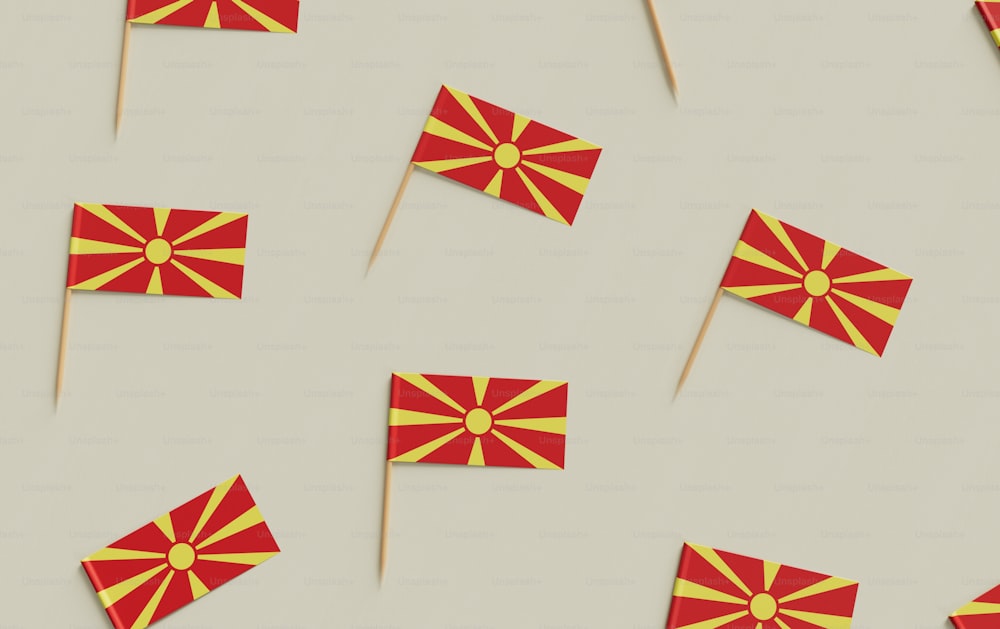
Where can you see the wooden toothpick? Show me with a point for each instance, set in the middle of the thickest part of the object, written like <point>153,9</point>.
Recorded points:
<point>392,215</point>
<point>121,79</point>
<point>63,338</point>
<point>663,46</point>
<point>697,343</point>
<point>384,556</point>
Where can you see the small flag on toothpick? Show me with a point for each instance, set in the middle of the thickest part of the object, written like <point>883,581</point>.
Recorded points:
<point>180,556</point>
<point>464,420</point>
<point>991,15</point>
<point>982,613</point>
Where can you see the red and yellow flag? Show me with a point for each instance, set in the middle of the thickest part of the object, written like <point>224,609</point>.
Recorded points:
<point>477,421</point>
<point>158,251</point>
<point>982,613</point>
<point>816,283</point>
<point>180,556</point>
<point>721,590</point>
<point>991,15</point>
<point>277,16</point>
<point>506,155</point>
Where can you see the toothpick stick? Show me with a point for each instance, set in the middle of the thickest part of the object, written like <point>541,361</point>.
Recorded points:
<point>392,214</point>
<point>384,556</point>
<point>63,338</point>
<point>121,78</point>
<point>663,45</point>
<point>697,343</point>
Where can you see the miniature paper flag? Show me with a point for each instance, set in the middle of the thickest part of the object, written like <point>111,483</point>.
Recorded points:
<point>982,613</point>
<point>816,283</point>
<point>506,155</point>
<point>477,421</point>
<point>277,16</point>
<point>991,15</point>
<point>180,556</point>
<point>721,590</point>
<point>158,251</point>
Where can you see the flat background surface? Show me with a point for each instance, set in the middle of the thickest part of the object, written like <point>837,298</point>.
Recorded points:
<point>871,126</point>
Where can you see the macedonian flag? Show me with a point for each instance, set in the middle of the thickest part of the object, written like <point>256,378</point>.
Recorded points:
<point>720,590</point>
<point>816,282</point>
<point>991,15</point>
<point>982,613</point>
<point>506,155</point>
<point>277,16</point>
<point>477,421</point>
<point>180,556</point>
<point>159,251</point>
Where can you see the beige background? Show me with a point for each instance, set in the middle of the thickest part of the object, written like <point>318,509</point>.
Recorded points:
<point>871,125</point>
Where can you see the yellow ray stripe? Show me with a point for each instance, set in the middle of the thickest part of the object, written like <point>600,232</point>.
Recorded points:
<point>110,596</point>
<point>713,558</point>
<point>856,337</point>
<point>444,130</point>
<point>251,517</point>
<point>116,554</point>
<point>771,568</point>
<point>882,311</point>
<point>160,215</point>
<point>165,524</point>
<point>147,612</point>
<point>687,589</point>
<point>829,251</point>
<point>266,21</point>
<point>83,246</point>
<point>466,102</point>
<point>247,559</point>
<point>428,387</point>
<point>576,183</point>
<point>420,452</point>
<point>804,315</point>
<point>215,222</point>
<point>212,21</point>
<point>562,147</point>
<point>775,226</point>
<point>540,387</point>
<point>881,275</point>
<point>210,287</point>
<point>826,621</point>
<point>213,503</point>
<point>400,417</point>
<point>760,625</point>
<point>155,286</point>
<point>476,456</point>
<point>100,280</point>
<point>198,588</point>
<point>826,585</point>
<point>978,609</point>
<point>520,122</point>
<point>108,217</point>
<point>528,455</point>
<point>715,623</point>
<point>479,385</point>
<point>746,252</point>
<point>442,165</point>
<point>996,36</point>
<point>546,206</point>
<point>495,185</point>
<point>155,16</point>
<point>229,256</point>
<point>748,292</point>
<point>781,623</point>
<point>554,425</point>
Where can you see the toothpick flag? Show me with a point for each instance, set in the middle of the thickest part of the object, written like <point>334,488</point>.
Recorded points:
<point>715,588</point>
<point>157,251</point>
<point>180,556</point>
<point>991,15</point>
<point>276,16</point>
<point>474,421</point>
<point>982,613</point>
<point>504,154</point>
<point>814,282</point>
